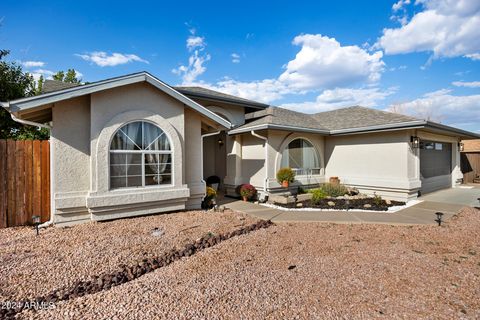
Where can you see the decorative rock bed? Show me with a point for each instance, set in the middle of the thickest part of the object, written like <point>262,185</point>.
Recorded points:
<point>126,273</point>
<point>347,202</point>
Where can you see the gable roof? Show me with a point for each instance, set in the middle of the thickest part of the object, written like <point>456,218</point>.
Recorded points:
<point>349,120</point>
<point>24,104</point>
<point>199,92</point>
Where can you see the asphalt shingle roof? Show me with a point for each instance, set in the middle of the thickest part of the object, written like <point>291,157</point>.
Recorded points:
<point>346,118</point>
<point>207,93</point>
<point>358,117</point>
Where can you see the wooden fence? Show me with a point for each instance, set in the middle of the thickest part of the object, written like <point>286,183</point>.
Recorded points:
<point>470,166</point>
<point>24,181</point>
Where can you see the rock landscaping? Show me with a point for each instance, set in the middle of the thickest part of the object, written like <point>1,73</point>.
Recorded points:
<point>32,266</point>
<point>129,273</point>
<point>344,204</point>
<point>333,197</point>
<point>307,271</point>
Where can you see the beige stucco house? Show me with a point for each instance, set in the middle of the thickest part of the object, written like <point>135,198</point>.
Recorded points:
<point>134,145</point>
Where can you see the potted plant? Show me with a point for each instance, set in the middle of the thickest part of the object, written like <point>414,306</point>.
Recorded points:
<point>285,176</point>
<point>213,181</point>
<point>247,191</point>
<point>209,200</point>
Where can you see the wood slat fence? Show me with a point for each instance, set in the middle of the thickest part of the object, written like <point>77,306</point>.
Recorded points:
<point>470,166</point>
<point>24,181</point>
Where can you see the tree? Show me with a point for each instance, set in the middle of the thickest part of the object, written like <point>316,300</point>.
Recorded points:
<point>15,84</point>
<point>69,77</point>
<point>39,88</point>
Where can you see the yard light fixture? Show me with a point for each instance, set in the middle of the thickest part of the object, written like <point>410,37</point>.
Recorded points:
<point>347,204</point>
<point>415,142</point>
<point>461,146</point>
<point>36,222</point>
<point>439,218</point>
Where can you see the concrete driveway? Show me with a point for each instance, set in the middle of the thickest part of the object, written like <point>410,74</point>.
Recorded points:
<point>448,201</point>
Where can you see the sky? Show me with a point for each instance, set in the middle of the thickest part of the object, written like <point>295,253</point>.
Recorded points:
<point>417,57</point>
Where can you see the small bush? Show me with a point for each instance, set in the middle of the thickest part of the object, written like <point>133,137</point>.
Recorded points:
<point>301,190</point>
<point>334,190</point>
<point>285,174</point>
<point>317,195</point>
<point>377,199</point>
<point>248,191</point>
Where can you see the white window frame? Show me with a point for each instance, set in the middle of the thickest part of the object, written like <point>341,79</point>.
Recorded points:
<point>307,172</point>
<point>143,153</point>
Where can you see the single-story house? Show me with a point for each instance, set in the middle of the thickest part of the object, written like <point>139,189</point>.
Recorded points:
<point>133,145</point>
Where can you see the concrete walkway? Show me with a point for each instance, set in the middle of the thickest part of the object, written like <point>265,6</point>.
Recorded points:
<point>448,201</point>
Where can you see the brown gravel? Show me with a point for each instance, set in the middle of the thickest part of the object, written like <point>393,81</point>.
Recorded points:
<point>31,266</point>
<point>308,270</point>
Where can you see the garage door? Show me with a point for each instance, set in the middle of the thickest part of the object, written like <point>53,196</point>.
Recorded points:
<point>435,165</point>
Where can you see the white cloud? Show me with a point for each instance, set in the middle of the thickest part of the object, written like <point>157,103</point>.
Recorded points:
<point>194,42</point>
<point>441,106</point>
<point>103,59</point>
<point>195,67</point>
<point>400,4</point>
<point>235,58</point>
<point>32,64</point>
<point>447,28</point>
<point>342,97</point>
<point>472,84</point>
<point>323,63</point>
<point>47,74</point>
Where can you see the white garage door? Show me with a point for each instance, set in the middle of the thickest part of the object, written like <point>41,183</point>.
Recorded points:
<point>435,165</point>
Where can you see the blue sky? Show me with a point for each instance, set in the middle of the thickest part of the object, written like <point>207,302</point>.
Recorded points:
<point>419,57</point>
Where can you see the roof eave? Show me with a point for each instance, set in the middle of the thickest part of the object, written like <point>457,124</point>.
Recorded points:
<point>383,127</point>
<point>252,105</point>
<point>69,93</point>
<point>277,127</point>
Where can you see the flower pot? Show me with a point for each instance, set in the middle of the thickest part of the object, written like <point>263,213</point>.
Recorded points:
<point>334,180</point>
<point>245,199</point>
<point>285,184</point>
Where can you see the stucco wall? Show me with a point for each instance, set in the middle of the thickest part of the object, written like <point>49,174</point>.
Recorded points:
<point>376,162</point>
<point>70,152</point>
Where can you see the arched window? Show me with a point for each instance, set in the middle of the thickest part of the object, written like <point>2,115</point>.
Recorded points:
<point>301,156</point>
<point>140,155</point>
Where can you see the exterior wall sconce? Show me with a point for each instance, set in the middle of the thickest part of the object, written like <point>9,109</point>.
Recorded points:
<point>220,142</point>
<point>36,222</point>
<point>415,142</point>
<point>461,146</point>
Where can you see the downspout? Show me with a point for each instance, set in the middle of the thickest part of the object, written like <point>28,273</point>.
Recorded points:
<point>41,125</point>
<point>201,158</point>
<point>265,181</point>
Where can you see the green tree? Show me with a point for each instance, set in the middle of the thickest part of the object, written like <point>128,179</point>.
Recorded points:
<point>39,88</point>
<point>15,84</point>
<point>69,77</point>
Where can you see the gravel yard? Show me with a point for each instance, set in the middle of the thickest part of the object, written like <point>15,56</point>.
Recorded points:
<point>31,266</point>
<point>306,270</point>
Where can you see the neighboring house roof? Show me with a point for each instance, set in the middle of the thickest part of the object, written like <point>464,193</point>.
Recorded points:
<point>30,103</point>
<point>471,145</point>
<point>349,120</point>
<point>55,85</point>
<point>199,92</point>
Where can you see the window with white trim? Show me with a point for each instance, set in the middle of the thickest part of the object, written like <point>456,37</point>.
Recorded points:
<point>140,156</point>
<point>301,156</point>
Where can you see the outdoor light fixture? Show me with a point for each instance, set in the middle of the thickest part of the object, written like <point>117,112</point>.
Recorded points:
<point>439,218</point>
<point>347,204</point>
<point>460,146</point>
<point>220,142</point>
<point>415,142</point>
<point>36,222</point>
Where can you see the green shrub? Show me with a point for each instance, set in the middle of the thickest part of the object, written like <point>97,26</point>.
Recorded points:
<point>334,190</point>
<point>377,199</point>
<point>285,174</point>
<point>317,195</point>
